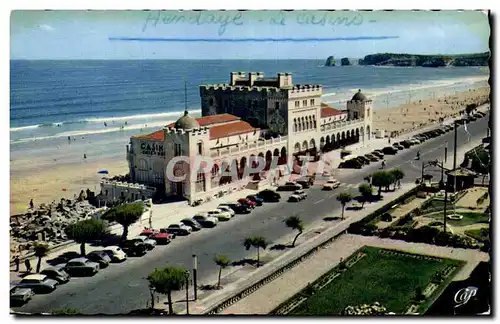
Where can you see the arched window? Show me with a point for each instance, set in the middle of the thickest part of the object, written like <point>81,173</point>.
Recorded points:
<point>295,124</point>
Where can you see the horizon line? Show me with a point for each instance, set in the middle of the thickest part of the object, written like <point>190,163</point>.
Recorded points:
<point>211,40</point>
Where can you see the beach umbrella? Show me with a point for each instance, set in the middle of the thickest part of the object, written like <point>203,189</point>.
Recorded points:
<point>103,172</point>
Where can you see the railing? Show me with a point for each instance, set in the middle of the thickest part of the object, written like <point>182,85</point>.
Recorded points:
<point>215,152</point>
<point>336,125</point>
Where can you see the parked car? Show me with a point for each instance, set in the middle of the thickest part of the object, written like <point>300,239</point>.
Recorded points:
<point>331,184</point>
<point>150,244</point>
<point>298,195</point>
<point>39,283</point>
<point>371,157</point>
<point>162,237</point>
<point>20,295</point>
<point>306,184</point>
<point>440,131</point>
<point>390,150</point>
<point>398,146</point>
<point>226,209</point>
<point>179,229</point>
<point>415,141</point>
<point>115,253</point>
<point>269,195</point>
<point>248,202</point>
<point>195,226</point>
<point>57,273</point>
<point>290,186</point>
<point>257,200</point>
<point>148,232</point>
<point>134,248</point>
<point>351,164</point>
<point>219,214</point>
<point>378,153</point>
<point>205,220</point>
<point>363,159</point>
<point>81,267</point>
<point>239,208</point>
<point>99,257</point>
<point>406,144</point>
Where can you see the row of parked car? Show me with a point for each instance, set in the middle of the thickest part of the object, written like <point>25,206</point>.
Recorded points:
<point>378,155</point>
<point>49,278</point>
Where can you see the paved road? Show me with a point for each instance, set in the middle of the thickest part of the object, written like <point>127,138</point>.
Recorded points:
<point>121,288</point>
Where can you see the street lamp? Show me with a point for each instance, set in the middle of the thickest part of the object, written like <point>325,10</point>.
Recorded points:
<point>445,150</point>
<point>195,270</point>
<point>187,292</point>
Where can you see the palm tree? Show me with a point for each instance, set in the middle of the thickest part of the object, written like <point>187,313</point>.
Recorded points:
<point>398,175</point>
<point>295,223</point>
<point>257,242</point>
<point>166,280</point>
<point>86,231</point>
<point>41,250</point>
<point>222,261</point>
<point>125,215</point>
<point>366,191</point>
<point>344,198</point>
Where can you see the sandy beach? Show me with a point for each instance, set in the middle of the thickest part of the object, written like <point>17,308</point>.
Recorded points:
<point>47,182</point>
<point>410,116</point>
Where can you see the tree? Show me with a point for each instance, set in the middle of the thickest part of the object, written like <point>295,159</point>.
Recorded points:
<point>125,215</point>
<point>470,108</point>
<point>381,179</point>
<point>257,242</point>
<point>344,198</point>
<point>366,191</point>
<point>397,175</point>
<point>480,161</point>
<point>166,280</point>
<point>222,261</point>
<point>85,231</point>
<point>41,250</point>
<point>295,223</point>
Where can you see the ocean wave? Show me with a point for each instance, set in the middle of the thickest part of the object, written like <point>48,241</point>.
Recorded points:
<point>84,133</point>
<point>108,119</point>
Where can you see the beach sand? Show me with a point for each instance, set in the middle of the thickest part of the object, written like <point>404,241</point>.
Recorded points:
<point>416,114</point>
<point>45,183</point>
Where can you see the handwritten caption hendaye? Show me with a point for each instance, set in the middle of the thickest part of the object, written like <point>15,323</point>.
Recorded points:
<point>227,19</point>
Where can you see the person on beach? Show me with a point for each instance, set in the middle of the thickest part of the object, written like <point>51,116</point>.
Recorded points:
<point>84,156</point>
<point>125,123</point>
<point>105,125</point>
<point>32,205</point>
<point>16,262</point>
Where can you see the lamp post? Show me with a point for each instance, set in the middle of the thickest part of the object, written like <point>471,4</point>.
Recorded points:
<point>187,292</point>
<point>195,270</point>
<point>445,150</point>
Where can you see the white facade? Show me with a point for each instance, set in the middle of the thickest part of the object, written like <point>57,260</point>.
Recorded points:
<point>115,190</point>
<point>287,121</point>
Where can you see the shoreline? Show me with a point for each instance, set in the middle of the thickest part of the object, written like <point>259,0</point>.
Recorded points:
<point>43,180</point>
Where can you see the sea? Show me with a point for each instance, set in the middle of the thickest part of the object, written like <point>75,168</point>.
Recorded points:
<point>61,110</point>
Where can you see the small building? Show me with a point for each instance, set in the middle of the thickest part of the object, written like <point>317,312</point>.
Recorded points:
<point>123,191</point>
<point>464,178</point>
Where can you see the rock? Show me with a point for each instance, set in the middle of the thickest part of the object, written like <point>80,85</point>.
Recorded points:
<point>330,61</point>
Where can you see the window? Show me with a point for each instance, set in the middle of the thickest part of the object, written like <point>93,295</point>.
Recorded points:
<point>276,105</point>
<point>200,148</point>
<point>304,103</point>
<point>355,115</point>
<point>211,102</point>
<point>311,102</point>
<point>297,104</point>
<point>177,149</point>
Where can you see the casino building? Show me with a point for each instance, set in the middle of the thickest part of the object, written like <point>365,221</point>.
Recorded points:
<point>250,116</point>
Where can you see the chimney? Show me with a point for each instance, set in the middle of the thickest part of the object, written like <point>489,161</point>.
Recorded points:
<point>234,77</point>
<point>281,79</point>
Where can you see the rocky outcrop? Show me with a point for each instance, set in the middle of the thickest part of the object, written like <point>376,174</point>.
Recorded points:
<point>395,59</point>
<point>345,61</point>
<point>330,61</point>
<point>365,310</point>
<point>48,221</point>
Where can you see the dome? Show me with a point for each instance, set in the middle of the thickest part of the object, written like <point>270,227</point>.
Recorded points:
<point>186,122</point>
<point>359,96</point>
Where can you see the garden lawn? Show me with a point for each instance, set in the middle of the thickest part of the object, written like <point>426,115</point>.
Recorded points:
<point>476,234</point>
<point>469,218</point>
<point>389,279</point>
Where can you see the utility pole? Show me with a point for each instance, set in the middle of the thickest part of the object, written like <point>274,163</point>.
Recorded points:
<point>187,292</point>
<point>445,151</point>
<point>195,270</point>
<point>455,155</point>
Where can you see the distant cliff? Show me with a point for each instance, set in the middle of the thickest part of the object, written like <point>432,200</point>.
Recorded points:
<point>392,59</point>
<point>330,61</point>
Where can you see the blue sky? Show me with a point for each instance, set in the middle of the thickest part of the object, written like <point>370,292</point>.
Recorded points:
<point>86,34</point>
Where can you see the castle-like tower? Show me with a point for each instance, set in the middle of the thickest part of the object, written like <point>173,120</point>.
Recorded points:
<point>360,107</point>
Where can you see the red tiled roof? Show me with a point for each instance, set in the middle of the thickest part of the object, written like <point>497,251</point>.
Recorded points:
<point>327,111</point>
<point>213,119</point>
<point>230,129</point>
<point>156,136</point>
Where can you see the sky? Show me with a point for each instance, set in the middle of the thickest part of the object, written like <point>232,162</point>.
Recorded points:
<point>82,34</point>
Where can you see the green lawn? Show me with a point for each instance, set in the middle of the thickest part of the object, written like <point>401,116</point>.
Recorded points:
<point>476,234</point>
<point>469,219</point>
<point>389,279</point>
